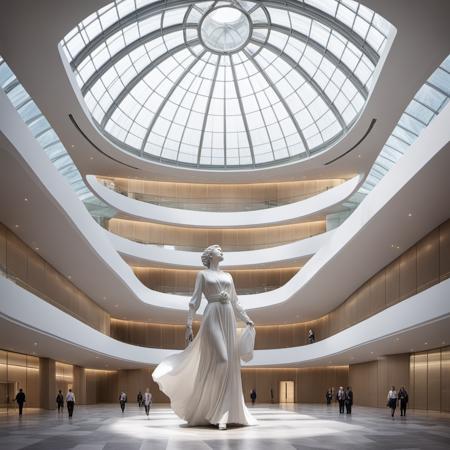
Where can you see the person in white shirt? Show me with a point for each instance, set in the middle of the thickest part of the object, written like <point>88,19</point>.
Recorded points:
<point>122,401</point>
<point>392,400</point>
<point>341,399</point>
<point>147,401</point>
<point>70,402</point>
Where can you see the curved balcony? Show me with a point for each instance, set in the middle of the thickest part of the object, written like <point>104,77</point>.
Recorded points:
<point>339,262</point>
<point>287,255</point>
<point>218,197</point>
<point>293,212</point>
<point>29,319</point>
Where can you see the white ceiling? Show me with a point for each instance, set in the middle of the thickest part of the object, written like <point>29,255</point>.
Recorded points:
<point>422,36</point>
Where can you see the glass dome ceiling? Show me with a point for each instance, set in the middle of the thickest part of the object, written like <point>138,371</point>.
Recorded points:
<point>215,84</point>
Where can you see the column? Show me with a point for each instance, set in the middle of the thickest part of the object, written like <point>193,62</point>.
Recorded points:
<point>79,385</point>
<point>47,382</point>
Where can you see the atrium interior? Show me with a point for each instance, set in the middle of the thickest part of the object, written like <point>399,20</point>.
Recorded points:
<point>308,139</point>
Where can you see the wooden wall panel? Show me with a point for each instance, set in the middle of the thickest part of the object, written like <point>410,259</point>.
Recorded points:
<point>371,380</point>
<point>3,231</point>
<point>16,257</point>
<point>445,379</point>
<point>434,381</point>
<point>229,239</point>
<point>33,273</point>
<point>393,283</point>
<point>444,250</point>
<point>428,261</point>
<point>363,378</point>
<point>220,197</point>
<point>408,273</point>
<point>183,281</point>
<point>421,381</point>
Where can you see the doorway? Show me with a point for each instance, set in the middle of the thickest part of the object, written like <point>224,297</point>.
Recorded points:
<point>287,392</point>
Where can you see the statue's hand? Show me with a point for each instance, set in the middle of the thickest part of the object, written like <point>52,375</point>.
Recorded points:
<point>188,335</point>
<point>251,323</point>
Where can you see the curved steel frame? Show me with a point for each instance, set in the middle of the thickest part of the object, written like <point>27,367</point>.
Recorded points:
<point>161,6</point>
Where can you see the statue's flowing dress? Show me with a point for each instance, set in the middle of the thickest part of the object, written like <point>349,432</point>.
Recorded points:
<point>203,382</point>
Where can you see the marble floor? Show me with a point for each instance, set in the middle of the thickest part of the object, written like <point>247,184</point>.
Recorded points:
<point>104,427</point>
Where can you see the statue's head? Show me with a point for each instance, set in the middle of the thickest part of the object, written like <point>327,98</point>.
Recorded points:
<point>213,251</point>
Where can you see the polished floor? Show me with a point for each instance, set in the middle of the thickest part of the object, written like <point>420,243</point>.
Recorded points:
<point>104,427</point>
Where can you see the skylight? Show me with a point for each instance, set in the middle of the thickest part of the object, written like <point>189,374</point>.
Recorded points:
<point>226,83</point>
<point>428,102</point>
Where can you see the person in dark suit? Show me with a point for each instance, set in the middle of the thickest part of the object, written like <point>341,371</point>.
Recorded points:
<point>329,396</point>
<point>253,396</point>
<point>340,396</point>
<point>348,399</point>
<point>20,399</point>
<point>60,401</point>
<point>403,399</point>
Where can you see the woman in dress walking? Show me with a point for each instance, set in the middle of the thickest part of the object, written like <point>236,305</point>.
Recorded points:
<point>204,381</point>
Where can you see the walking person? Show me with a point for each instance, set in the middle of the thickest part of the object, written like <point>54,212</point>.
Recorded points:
<point>392,400</point>
<point>311,336</point>
<point>329,396</point>
<point>122,401</point>
<point>403,399</point>
<point>20,399</point>
<point>70,402</point>
<point>253,396</point>
<point>147,400</point>
<point>341,399</point>
<point>271,395</point>
<point>60,401</point>
<point>139,399</point>
<point>348,400</point>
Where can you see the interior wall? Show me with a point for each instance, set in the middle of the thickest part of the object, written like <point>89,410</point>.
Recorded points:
<point>183,281</point>
<point>198,239</point>
<point>424,264</point>
<point>28,269</point>
<point>430,380</point>
<point>220,197</point>
<point>311,384</point>
<point>372,380</point>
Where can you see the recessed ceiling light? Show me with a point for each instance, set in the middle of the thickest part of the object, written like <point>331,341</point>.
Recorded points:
<point>116,306</point>
<point>359,156</point>
<point>72,145</point>
<point>397,339</point>
<point>25,199</point>
<point>35,344</point>
<point>16,226</point>
<point>69,277</point>
<point>91,158</point>
<point>104,298</point>
<point>443,342</point>
<point>36,248</point>
<point>371,353</point>
<point>409,214</point>
<point>398,246</point>
<point>97,357</point>
<point>425,343</point>
<point>411,349</point>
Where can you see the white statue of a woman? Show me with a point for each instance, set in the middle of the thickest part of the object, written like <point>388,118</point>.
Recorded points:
<point>203,382</point>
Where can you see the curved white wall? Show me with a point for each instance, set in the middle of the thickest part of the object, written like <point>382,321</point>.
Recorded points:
<point>36,317</point>
<point>419,181</point>
<point>239,219</point>
<point>280,256</point>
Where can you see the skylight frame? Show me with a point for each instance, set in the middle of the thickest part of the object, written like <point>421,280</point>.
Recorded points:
<point>138,27</point>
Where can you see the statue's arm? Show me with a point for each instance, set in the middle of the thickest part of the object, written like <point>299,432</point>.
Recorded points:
<point>194,304</point>
<point>238,309</point>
